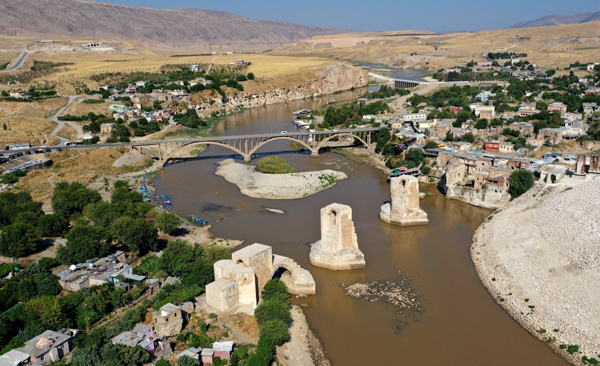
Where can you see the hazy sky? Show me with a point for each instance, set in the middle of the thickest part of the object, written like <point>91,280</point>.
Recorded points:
<point>382,15</point>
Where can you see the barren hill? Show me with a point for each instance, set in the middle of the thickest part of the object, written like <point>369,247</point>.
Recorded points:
<point>558,19</point>
<point>90,19</point>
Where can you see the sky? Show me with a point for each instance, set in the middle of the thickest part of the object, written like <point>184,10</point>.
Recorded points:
<point>387,15</point>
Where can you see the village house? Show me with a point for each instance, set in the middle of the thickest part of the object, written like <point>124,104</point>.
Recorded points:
<point>535,142</point>
<point>484,111</point>
<point>141,335</point>
<point>104,270</point>
<point>557,135</point>
<point>168,320</point>
<point>525,128</point>
<point>484,63</point>
<point>143,99</point>
<point>413,117</point>
<point>239,63</point>
<point>131,89</point>
<point>107,128</point>
<point>191,353</point>
<point>506,147</point>
<point>439,131</point>
<point>141,84</point>
<point>589,108</point>
<point>461,145</point>
<point>50,346</point>
<point>492,146</point>
<point>517,164</point>
<point>195,68</point>
<point>557,106</point>
<point>528,106</point>
<point>19,94</point>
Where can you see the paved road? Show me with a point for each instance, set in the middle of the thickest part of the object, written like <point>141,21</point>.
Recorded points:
<point>61,124</point>
<point>20,61</point>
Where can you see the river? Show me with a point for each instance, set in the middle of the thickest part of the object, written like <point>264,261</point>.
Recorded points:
<point>460,324</point>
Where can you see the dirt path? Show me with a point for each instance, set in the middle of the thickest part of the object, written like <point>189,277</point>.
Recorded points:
<point>61,124</point>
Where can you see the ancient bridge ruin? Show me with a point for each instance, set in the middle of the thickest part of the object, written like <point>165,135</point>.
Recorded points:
<point>239,281</point>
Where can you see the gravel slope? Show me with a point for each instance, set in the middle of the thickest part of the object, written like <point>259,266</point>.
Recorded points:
<point>539,258</point>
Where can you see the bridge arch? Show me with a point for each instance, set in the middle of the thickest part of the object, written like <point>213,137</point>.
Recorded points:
<point>263,143</point>
<point>324,141</point>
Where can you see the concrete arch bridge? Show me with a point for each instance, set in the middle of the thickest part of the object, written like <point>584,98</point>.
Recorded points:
<point>247,145</point>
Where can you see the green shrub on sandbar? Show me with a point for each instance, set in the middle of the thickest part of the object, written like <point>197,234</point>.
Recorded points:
<point>274,165</point>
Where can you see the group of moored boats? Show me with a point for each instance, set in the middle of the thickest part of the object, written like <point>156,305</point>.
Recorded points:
<point>164,202</point>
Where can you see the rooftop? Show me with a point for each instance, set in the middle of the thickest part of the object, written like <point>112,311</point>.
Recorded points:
<point>44,342</point>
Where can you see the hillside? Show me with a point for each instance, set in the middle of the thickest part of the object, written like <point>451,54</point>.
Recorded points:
<point>90,19</point>
<point>549,46</point>
<point>558,19</point>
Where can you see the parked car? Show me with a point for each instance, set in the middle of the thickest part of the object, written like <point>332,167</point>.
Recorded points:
<point>283,133</point>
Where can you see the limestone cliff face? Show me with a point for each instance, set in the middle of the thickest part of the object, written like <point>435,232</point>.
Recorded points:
<point>335,78</point>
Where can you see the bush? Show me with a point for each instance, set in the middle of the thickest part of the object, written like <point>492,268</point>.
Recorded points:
<point>274,165</point>
<point>276,331</point>
<point>431,145</point>
<point>272,309</point>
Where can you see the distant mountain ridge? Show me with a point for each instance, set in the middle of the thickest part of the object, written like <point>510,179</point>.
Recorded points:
<point>558,19</point>
<point>169,26</point>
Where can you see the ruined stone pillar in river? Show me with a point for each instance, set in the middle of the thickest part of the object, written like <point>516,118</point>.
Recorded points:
<point>338,247</point>
<point>404,210</point>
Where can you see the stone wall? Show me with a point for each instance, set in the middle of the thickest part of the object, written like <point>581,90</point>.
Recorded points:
<point>333,79</point>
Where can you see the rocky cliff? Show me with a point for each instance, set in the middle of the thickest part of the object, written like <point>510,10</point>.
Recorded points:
<point>335,78</point>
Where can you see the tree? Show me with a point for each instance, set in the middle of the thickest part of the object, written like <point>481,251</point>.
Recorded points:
<point>449,137</point>
<point>4,127</point>
<point>47,310</point>
<point>520,182</point>
<point>383,138</point>
<point>250,76</point>
<point>263,355</point>
<point>137,234</point>
<point>431,145</point>
<point>84,242</point>
<point>272,309</point>
<point>482,124</point>
<point>168,223</point>
<point>187,361</point>
<point>468,137</point>
<point>72,198</point>
<point>276,331</point>
<point>463,116</point>
<point>19,240</point>
<point>52,226</point>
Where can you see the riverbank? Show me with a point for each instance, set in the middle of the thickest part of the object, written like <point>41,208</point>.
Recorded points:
<point>276,186</point>
<point>540,259</point>
<point>303,348</point>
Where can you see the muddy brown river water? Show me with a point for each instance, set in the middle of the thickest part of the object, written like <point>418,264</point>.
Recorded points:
<point>460,324</point>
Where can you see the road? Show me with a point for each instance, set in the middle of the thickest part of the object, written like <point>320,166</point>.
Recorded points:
<point>61,124</point>
<point>18,63</point>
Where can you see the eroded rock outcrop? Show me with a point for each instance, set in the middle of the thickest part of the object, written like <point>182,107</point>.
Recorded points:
<point>338,247</point>
<point>333,79</point>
